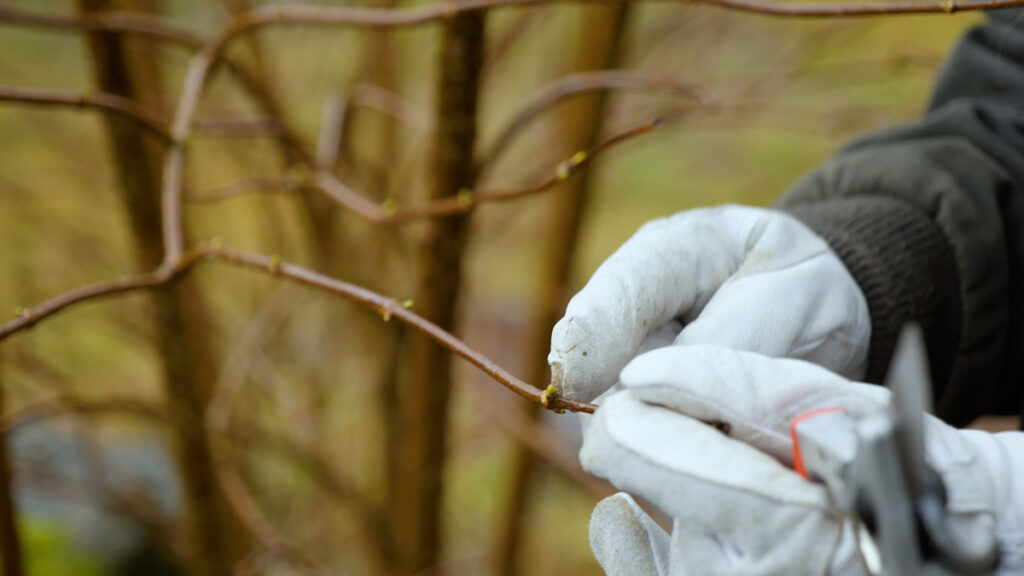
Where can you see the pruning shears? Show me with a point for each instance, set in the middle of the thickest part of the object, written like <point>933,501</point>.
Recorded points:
<point>876,475</point>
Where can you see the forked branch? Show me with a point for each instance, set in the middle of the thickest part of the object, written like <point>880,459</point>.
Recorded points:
<point>387,307</point>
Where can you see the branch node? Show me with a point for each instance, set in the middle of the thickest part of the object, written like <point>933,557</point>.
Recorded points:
<point>564,171</point>
<point>275,264</point>
<point>548,395</point>
<point>407,304</point>
<point>389,206</point>
<point>385,310</point>
<point>949,6</point>
<point>216,243</point>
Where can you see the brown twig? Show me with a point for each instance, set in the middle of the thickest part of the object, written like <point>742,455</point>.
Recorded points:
<point>241,127</point>
<point>243,187</point>
<point>388,103</point>
<point>46,409</point>
<point>387,307</point>
<point>566,169</point>
<point>381,17</point>
<point>131,22</point>
<point>217,419</point>
<point>338,191</point>
<point>581,83</point>
<point>86,99</point>
<point>303,14</point>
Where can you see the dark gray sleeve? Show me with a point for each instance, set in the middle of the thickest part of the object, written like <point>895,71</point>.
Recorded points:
<point>929,217</point>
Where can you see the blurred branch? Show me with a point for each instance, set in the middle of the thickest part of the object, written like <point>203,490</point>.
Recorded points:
<point>387,307</point>
<point>46,409</point>
<point>468,199</point>
<point>798,9</point>
<point>203,63</point>
<point>296,14</point>
<point>86,99</point>
<point>390,214</point>
<point>131,22</point>
<point>243,187</point>
<point>131,109</point>
<point>119,503</point>
<point>574,85</point>
<point>308,14</point>
<point>241,127</point>
<point>216,420</point>
<point>390,104</point>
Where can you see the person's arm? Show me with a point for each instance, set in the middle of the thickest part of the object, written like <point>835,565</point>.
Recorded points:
<point>928,219</point>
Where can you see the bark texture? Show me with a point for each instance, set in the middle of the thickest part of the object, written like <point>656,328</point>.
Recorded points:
<point>125,66</point>
<point>426,382</point>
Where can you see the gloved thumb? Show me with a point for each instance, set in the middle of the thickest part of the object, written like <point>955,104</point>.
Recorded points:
<point>626,541</point>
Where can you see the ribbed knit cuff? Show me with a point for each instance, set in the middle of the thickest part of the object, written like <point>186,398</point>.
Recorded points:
<point>906,269</point>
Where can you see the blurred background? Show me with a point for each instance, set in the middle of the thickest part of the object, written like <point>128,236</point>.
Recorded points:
<point>340,443</point>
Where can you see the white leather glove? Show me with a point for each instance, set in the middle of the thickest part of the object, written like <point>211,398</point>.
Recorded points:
<point>744,278</point>
<point>738,507</point>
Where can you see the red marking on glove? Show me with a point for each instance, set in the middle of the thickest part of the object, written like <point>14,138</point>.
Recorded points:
<point>798,459</point>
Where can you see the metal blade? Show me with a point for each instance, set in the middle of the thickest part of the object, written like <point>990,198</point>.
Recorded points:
<point>910,383</point>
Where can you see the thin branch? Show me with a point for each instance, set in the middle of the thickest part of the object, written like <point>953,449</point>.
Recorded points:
<point>392,105</point>
<point>85,99</point>
<point>217,418</point>
<point>296,14</point>
<point>46,409</point>
<point>205,61</point>
<point>241,127</point>
<point>581,83</point>
<point>387,307</point>
<point>866,9</point>
<point>334,120</point>
<point>564,171</point>
<point>141,24</point>
<point>385,213</point>
<point>131,22</point>
<point>243,187</point>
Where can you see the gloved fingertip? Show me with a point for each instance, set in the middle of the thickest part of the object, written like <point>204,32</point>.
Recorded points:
<point>581,365</point>
<point>625,540</point>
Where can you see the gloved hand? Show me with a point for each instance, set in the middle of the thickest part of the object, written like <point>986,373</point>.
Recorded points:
<point>737,506</point>
<point>744,278</point>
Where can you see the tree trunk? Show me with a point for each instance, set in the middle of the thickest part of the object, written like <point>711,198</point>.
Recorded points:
<point>10,543</point>
<point>124,66</point>
<point>426,381</point>
<point>581,122</point>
